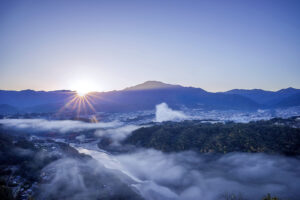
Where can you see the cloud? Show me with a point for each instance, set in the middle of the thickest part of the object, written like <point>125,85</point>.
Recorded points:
<point>157,175</point>
<point>61,126</point>
<point>164,113</point>
<point>80,138</point>
<point>188,175</point>
<point>117,134</point>
<point>74,179</point>
<point>116,131</point>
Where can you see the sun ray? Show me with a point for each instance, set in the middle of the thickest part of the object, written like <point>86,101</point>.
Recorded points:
<point>89,104</point>
<point>68,104</point>
<point>81,105</point>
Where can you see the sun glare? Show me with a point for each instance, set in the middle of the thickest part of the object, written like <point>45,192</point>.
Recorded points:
<point>81,93</point>
<point>82,88</point>
<point>82,101</point>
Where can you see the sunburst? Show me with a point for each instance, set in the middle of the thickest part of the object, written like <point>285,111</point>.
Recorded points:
<point>81,104</point>
<point>82,101</point>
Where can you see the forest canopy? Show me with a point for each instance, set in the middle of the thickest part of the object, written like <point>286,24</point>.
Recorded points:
<point>271,136</point>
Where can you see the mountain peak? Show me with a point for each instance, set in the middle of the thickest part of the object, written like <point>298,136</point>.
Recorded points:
<point>149,85</point>
<point>289,89</point>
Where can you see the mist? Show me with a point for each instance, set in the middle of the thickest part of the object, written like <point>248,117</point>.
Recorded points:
<point>164,113</point>
<point>70,178</point>
<point>117,134</point>
<point>188,175</point>
<point>115,130</point>
<point>61,126</point>
<point>154,175</point>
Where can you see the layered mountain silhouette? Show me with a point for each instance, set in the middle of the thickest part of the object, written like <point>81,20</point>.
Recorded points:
<point>146,95</point>
<point>281,98</point>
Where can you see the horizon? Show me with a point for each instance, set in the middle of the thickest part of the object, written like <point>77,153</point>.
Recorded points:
<point>153,81</point>
<point>110,45</point>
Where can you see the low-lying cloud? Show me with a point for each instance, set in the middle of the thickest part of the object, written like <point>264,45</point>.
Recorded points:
<point>157,175</point>
<point>192,176</point>
<point>117,134</point>
<point>164,113</point>
<point>61,126</point>
<point>74,179</point>
<point>116,131</point>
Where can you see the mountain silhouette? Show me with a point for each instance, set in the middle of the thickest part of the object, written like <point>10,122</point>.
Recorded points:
<point>268,98</point>
<point>150,85</point>
<point>148,94</point>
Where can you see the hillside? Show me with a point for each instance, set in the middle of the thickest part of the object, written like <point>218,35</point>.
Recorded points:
<point>273,136</point>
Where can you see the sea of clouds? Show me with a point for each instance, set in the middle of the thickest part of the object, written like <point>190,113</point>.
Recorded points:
<point>190,176</point>
<point>158,176</point>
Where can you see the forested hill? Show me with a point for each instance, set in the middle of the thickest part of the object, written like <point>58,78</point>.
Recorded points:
<point>274,136</point>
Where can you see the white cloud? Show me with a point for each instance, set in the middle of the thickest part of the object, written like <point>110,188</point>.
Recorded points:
<point>164,113</point>
<point>117,134</point>
<point>61,126</point>
<point>195,176</point>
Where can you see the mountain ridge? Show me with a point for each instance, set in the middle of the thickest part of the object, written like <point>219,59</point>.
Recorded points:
<point>149,85</point>
<point>150,93</point>
<point>264,96</point>
<point>162,83</point>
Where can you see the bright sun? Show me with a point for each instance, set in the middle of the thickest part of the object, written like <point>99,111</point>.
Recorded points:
<point>81,93</point>
<point>82,88</point>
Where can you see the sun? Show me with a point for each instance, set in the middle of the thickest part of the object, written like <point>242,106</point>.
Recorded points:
<point>82,88</point>
<point>82,99</point>
<point>81,93</point>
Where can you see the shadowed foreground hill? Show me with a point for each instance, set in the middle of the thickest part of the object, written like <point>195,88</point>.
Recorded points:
<point>263,136</point>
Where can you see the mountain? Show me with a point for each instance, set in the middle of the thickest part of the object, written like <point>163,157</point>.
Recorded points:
<point>28,98</point>
<point>150,85</point>
<point>131,100</point>
<point>8,109</point>
<point>146,96</point>
<point>293,100</point>
<point>267,98</point>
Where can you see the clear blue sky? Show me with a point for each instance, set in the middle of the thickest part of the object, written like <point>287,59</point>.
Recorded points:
<point>215,45</point>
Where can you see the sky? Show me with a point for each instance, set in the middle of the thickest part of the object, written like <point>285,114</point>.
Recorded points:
<point>109,45</point>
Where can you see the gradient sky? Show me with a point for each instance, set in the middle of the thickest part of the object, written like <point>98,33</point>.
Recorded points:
<point>106,45</point>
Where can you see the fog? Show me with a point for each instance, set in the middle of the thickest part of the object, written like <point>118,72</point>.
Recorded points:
<point>117,134</point>
<point>164,113</point>
<point>61,126</point>
<point>83,179</point>
<point>117,131</point>
<point>155,175</point>
<point>188,175</point>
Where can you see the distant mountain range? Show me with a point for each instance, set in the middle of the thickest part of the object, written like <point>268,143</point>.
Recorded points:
<point>266,97</point>
<point>146,95</point>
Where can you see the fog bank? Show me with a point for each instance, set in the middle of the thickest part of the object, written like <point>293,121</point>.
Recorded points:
<point>61,126</point>
<point>117,134</point>
<point>192,176</point>
<point>156,175</point>
<point>164,113</point>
